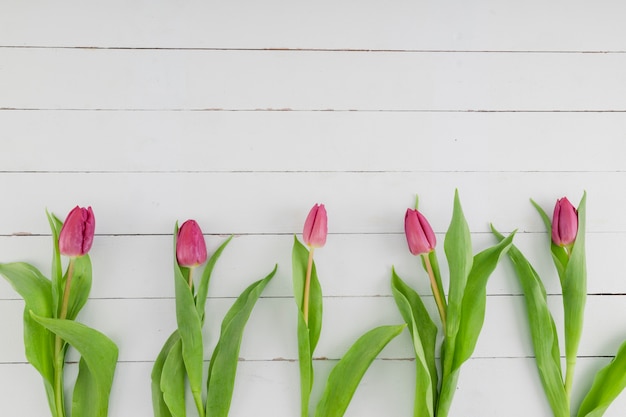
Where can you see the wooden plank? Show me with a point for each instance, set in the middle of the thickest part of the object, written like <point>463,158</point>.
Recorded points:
<point>351,265</point>
<point>223,203</point>
<point>485,388</point>
<point>309,80</point>
<point>333,141</point>
<point>481,25</point>
<point>140,327</point>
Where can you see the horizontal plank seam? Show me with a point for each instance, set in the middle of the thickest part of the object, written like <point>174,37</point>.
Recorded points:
<point>340,50</point>
<point>312,110</point>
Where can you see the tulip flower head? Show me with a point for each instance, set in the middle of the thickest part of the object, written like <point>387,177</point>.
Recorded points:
<point>76,235</point>
<point>190,245</point>
<point>419,235</point>
<point>316,227</point>
<point>564,223</point>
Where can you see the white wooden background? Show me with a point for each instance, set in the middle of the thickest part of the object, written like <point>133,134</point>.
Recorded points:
<point>244,114</point>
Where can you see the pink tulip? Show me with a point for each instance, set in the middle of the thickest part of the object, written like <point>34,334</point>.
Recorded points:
<point>316,227</point>
<point>190,245</point>
<point>564,223</point>
<point>419,234</point>
<point>76,235</point>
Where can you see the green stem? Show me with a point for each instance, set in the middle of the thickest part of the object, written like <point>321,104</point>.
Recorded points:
<point>307,287</point>
<point>435,289</point>
<point>59,352</point>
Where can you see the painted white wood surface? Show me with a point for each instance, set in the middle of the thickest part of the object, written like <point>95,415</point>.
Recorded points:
<point>243,115</point>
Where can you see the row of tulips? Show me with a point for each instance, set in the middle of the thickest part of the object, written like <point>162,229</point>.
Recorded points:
<point>52,306</point>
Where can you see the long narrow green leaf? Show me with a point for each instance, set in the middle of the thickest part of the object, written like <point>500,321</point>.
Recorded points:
<point>424,335</point>
<point>543,331</point>
<point>609,382</point>
<point>474,300</point>
<point>559,255</point>
<point>158,403</point>
<point>346,375</point>
<point>458,248</point>
<point>172,382</point>
<point>97,366</point>
<point>308,335</point>
<point>57,270</point>
<point>190,330</point>
<point>203,287</point>
<point>223,366</point>
<point>575,289</point>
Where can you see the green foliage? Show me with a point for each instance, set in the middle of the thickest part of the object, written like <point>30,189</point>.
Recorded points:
<point>182,356</point>
<point>346,375</point>
<point>223,367</point>
<point>543,331</point>
<point>43,330</point>
<point>308,334</point>
<point>96,368</point>
<point>464,310</point>
<point>424,335</point>
<point>607,385</point>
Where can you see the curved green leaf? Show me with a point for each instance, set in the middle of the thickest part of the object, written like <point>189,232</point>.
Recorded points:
<point>474,300</point>
<point>346,375</point>
<point>223,366</point>
<point>607,385</point>
<point>97,365</point>
<point>543,331</point>
<point>159,405</point>
<point>424,335</point>
<point>172,382</point>
<point>203,287</point>
<point>36,291</point>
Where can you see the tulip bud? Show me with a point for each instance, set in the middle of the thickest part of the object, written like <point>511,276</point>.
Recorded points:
<point>419,234</point>
<point>316,227</point>
<point>564,223</point>
<point>76,235</point>
<point>190,245</point>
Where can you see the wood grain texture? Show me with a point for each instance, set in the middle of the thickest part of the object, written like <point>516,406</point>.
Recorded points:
<point>242,115</point>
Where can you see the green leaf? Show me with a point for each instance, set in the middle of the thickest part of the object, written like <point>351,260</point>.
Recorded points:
<point>308,336</point>
<point>346,375</point>
<point>607,385</point>
<point>203,287</point>
<point>446,394</point>
<point>158,403</point>
<point>300,257</point>
<point>223,366</point>
<point>36,291</point>
<point>424,335</point>
<point>458,248</point>
<point>575,289</point>
<point>172,382</point>
<point>96,368</point>
<point>80,286</point>
<point>474,300</point>
<point>543,331</point>
<point>190,330</point>
<point>559,255</point>
<point>57,270</point>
